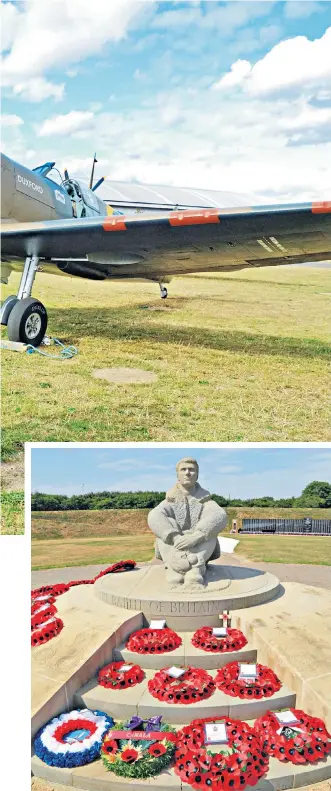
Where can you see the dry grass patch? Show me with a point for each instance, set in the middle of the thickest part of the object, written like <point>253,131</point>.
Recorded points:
<point>86,552</point>
<point>240,356</point>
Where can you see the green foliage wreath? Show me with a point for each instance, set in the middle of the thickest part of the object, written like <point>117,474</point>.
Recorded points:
<point>138,758</point>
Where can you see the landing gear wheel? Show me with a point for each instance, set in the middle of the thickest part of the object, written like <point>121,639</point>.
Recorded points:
<point>164,292</point>
<point>27,322</point>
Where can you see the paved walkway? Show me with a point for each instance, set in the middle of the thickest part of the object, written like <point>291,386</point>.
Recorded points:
<point>319,576</point>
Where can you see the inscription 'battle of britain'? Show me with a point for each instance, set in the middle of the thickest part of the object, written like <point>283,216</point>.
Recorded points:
<point>166,607</point>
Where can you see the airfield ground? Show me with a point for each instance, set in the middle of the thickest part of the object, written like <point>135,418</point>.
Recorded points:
<point>79,538</point>
<point>240,356</point>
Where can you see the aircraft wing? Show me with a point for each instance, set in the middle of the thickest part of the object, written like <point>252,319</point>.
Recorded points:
<point>179,241</point>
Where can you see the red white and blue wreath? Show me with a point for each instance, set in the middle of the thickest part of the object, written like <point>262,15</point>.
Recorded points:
<point>72,739</point>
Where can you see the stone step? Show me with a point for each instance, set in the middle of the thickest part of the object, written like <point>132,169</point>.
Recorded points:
<point>186,654</point>
<point>123,703</point>
<point>94,777</point>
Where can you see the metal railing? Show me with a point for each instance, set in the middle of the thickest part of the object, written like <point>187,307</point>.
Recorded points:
<point>306,526</point>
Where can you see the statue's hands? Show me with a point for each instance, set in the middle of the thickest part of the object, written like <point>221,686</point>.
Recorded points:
<point>187,541</point>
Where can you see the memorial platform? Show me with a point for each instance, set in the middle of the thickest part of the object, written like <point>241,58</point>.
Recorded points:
<point>98,619</point>
<point>227,587</point>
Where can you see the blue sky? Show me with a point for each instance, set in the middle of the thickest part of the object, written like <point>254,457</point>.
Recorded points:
<point>226,95</point>
<point>238,472</point>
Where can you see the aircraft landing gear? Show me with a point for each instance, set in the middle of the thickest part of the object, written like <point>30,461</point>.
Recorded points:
<point>25,316</point>
<point>164,291</point>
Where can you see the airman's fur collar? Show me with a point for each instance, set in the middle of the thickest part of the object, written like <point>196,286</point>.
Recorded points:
<point>177,494</point>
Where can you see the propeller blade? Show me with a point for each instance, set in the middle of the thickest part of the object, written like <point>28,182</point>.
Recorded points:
<point>92,171</point>
<point>66,174</point>
<point>98,183</point>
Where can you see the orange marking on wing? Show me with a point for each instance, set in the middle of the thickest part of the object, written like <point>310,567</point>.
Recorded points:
<point>114,224</point>
<point>195,217</point>
<point>321,207</point>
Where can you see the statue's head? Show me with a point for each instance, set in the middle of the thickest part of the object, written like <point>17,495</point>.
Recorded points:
<point>187,472</point>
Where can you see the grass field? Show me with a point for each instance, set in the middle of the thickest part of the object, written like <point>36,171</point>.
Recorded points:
<point>12,513</point>
<point>78,538</point>
<point>238,356</point>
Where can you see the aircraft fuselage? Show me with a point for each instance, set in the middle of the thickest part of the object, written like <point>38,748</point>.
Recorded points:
<point>31,196</point>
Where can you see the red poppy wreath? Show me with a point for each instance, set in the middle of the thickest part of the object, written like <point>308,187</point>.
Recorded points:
<point>43,614</point>
<point>241,761</point>
<point>117,568</point>
<point>50,590</point>
<point>153,641</point>
<point>302,742</point>
<point>205,639</point>
<point>37,604</point>
<point>264,686</point>
<point>46,631</point>
<point>43,599</point>
<point>118,675</point>
<point>195,684</point>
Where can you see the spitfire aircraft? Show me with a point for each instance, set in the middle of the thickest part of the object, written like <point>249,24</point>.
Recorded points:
<point>61,226</point>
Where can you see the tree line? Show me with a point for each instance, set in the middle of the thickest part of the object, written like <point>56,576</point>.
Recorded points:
<point>316,495</point>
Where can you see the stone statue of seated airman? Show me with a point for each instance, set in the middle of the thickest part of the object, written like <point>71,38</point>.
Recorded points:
<point>186,525</point>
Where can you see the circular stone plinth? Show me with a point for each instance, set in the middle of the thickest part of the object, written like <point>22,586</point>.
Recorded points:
<point>228,587</point>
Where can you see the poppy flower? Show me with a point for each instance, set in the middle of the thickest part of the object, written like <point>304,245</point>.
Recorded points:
<point>157,749</point>
<point>110,747</point>
<point>130,756</point>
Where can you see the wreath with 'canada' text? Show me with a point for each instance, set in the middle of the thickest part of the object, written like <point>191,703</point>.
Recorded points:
<point>147,749</point>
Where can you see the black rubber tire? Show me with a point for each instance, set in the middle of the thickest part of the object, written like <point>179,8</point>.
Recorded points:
<point>164,293</point>
<point>17,321</point>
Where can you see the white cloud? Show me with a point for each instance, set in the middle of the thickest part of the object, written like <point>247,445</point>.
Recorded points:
<point>294,9</point>
<point>66,124</point>
<point>292,63</point>
<point>226,18</point>
<point>11,120</point>
<point>219,141</point>
<point>9,23</point>
<point>45,35</point>
<point>37,89</point>
<point>307,118</point>
<point>239,70</point>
